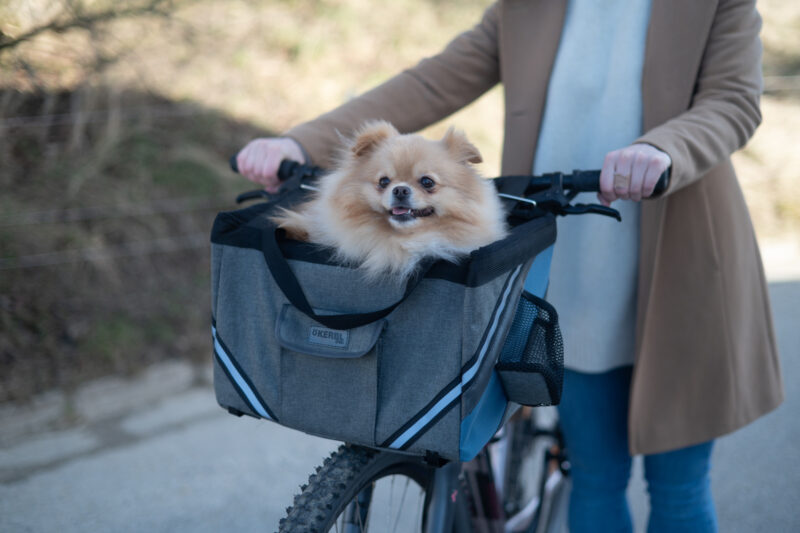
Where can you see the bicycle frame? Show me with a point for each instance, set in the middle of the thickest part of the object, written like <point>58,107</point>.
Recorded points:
<point>442,508</point>
<point>458,494</point>
<point>469,496</point>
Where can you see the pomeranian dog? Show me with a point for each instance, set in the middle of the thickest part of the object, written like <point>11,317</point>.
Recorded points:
<point>394,200</point>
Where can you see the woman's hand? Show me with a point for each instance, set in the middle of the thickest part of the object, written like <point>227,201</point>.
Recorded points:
<point>631,173</point>
<point>260,159</point>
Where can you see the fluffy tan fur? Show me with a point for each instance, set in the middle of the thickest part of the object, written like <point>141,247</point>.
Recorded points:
<point>446,210</point>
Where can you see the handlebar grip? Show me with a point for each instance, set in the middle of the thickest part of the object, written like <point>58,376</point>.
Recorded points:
<point>582,181</point>
<point>285,170</point>
<point>589,181</point>
<point>662,184</point>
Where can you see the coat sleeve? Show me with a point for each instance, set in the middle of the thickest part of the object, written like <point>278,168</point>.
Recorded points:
<point>724,111</point>
<point>417,97</point>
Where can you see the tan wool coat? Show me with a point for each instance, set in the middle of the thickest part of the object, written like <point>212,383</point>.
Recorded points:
<point>706,360</point>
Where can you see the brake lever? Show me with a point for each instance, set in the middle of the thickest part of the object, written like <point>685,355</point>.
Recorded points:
<point>253,195</point>
<point>288,171</point>
<point>581,209</point>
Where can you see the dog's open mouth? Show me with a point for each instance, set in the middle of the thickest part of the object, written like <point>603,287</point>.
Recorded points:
<point>406,213</point>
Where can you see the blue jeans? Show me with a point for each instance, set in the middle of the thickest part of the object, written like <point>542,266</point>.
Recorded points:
<point>594,418</point>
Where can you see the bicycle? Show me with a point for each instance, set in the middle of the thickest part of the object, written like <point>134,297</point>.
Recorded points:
<point>518,482</point>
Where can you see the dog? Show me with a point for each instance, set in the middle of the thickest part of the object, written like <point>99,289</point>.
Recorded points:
<point>394,200</point>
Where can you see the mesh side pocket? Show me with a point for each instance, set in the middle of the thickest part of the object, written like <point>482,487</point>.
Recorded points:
<point>531,364</point>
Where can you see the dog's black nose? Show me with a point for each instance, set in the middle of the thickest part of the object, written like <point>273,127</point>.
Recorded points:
<point>401,191</point>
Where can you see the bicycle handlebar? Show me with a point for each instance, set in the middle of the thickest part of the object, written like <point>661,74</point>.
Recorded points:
<point>584,181</point>
<point>287,169</point>
<point>578,181</point>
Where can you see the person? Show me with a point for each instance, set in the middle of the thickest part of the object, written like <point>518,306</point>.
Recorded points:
<point>668,333</point>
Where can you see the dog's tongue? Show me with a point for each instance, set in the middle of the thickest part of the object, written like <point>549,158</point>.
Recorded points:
<point>400,210</point>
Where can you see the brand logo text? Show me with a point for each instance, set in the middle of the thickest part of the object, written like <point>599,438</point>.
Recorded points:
<point>328,337</point>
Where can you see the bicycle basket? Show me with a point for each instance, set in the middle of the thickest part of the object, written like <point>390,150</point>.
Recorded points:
<point>404,367</point>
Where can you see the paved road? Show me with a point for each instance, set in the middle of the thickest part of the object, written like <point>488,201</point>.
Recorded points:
<point>151,461</point>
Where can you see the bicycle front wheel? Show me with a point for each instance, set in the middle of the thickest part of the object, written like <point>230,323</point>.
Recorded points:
<point>358,490</point>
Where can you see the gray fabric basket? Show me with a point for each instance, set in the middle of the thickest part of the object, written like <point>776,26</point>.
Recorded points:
<point>418,377</point>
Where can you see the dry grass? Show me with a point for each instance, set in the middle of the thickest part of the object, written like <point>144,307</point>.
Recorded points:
<point>155,103</point>
<point>143,110</point>
<point>769,170</point>
<point>769,166</point>
<point>781,36</point>
<point>277,63</point>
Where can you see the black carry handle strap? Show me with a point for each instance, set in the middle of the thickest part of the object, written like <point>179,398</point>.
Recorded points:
<point>291,288</point>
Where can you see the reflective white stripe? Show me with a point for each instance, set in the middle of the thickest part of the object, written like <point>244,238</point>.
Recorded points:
<point>417,427</point>
<point>466,377</point>
<point>240,382</point>
<point>470,373</point>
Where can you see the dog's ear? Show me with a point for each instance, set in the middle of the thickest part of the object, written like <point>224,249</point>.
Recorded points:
<point>461,149</point>
<point>371,135</point>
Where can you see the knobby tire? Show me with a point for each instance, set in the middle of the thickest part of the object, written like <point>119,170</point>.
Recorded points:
<point>339,480</point>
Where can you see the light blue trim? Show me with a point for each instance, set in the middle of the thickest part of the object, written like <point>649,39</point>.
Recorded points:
<point>484,420</point>
<point>239,381</point>
<point>470,373</point>
<point>467,376</point>
<point>416,428</point>
<point>539,274</point>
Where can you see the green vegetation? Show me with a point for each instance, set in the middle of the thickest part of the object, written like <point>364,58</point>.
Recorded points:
<point>115,133</point>
<point>103,247</point>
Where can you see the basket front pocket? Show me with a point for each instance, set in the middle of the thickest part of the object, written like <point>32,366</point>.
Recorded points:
<point>328,377</point>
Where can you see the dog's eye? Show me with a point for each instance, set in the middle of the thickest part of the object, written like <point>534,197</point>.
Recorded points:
<point>384,182</point>
<point>427,182</point>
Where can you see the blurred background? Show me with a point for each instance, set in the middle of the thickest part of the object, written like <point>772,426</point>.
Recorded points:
<point>117,119</point>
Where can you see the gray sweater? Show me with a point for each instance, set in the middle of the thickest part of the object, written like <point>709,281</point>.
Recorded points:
<point>594,106</point>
